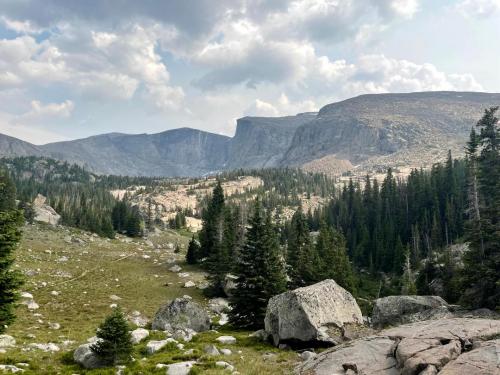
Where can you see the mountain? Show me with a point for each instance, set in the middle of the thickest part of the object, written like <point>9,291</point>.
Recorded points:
<point>365,133</point>
<point>10,146</point>
<point>178,152</point>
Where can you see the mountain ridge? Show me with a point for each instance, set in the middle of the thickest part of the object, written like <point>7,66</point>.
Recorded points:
<point>368,132</point>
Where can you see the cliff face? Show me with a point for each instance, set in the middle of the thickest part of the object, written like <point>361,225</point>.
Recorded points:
<point>261,142</point>
<point>368,132</point>
<point>178,152</point>
<point>369,126</point>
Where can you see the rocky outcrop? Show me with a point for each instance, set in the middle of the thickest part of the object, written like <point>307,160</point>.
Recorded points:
<point>181,314</point>
<point>427,347</point>
<point>320,312</point>
<point>406,309</point>
<point>43,212</point>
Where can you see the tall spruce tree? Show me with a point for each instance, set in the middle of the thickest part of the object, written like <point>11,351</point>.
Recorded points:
<point>259,270</point>
<point>193,251</point>
<point>212,220</point>
<point>11,219</point>
<point>482,262</point>
<point>300,253</point>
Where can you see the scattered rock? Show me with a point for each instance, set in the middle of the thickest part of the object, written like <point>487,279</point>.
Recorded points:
<point>7,341</point>
<point>86,358</point>
<point>211,350</point>
<point>184,334</point>
<point>138,335</point>
<point>261,334</point>
<point>227,340</point>
<point>181,313</point>
<point>269,356</point>
<point>181,368</point>
<point>218,305</point>
<point>32,305</point>
<point>138,319</point>
<point>407,309</point>
<point>10,368</point>
<point>315,313</point>
<point>114,297</point>
<point>223,319</point>
<point>226,351</point>
<point>154,346</point>
<point>189,284</point>
<point>49,347</point>
<point>224,365</point>
<point>54,326</point>
<point>54,293</point>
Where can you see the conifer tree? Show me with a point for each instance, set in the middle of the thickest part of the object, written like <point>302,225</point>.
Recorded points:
<point>300,257</point>
<point>115,344</point>
<point>212,218</point>
<point>11,219</point>
<point>192,251</point>
<point>260,272</point>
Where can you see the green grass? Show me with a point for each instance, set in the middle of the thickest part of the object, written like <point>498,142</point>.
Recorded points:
<point>96,270</point>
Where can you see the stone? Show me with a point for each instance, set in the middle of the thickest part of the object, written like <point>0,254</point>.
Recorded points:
<point>181,313</point>
<point>54,326</point>
<point>484,360</point>
<point>32,305</point>
<point>10,368</point>
<point>227,340</point>
<point>138,335</point>
<point>315,313</point>
<point>49,347</point>
<point>407,309</point>
<point>43,212</point>
<point>229,284</point>
<point>86,358</point>
<point>7,341</point>
<point>189,284</point>
<point>184,334</point>
<point>307,355</point>
<point>224,365</point>
<point>114,297</point>
<point>225,351</point>
<point>180,368</point>
<point>54,293</point>
<point>223,319</point>
<point>156,345</point>
<point>138,319</point>
<point>269,356</point>
<point>218,305</point>
<point>261,335</point>
<point>424,347</point>
<point>211,350</point>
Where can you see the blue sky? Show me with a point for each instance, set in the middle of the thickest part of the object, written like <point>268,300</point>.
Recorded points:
<point>72,68</point>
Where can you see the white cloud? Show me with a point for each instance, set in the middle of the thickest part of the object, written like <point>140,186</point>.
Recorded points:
<point>478,8</point>
<point>280,107</point>
<point>44,112</point>
<point>398,8</point>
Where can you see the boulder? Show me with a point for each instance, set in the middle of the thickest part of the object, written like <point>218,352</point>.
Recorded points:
<point>395,310</point>
<point>180,368</point>
<point>7,341</point>
<point>315,313</point>
<point>224,365</point>
<point>211,350</point>
<point>155,345</point>
<point>43,212</point>
<point>138,335</point>
<point>420,348</point>
<point>86,358</point>
<point>229,284</point>
<point>226,340</point>
<point>181,313</point>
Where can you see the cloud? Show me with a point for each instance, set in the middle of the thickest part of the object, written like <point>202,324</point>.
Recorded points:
<point>397,8</point>
<point>43,112</point>
<point>478,8</point>
<point>280,107</point>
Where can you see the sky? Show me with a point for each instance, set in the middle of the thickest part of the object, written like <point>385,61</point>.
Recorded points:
<point>75,68</point>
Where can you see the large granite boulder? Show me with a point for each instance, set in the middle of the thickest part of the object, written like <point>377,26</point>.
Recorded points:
<point>181,314</point>
<point>320,312</point>
<point>43,212</point>
<point>427,347</point>
<point>85,357</point>
<point>395,310</point>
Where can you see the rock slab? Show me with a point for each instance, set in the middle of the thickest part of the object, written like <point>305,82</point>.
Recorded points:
<point>181,313</point>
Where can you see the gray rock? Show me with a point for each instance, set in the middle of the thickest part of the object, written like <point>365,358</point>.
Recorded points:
<point>218,305</point>
<point>211,350</point>
<point>43,212</point>
<point>315,313</point>
<point>155,345</point>
<point>7,341</point>
<point>10,368</point>
<point>228,340</point>
<point>225,351</point>
<point>86,358</point>
<point>395,310</point>
<point>261,334</point>
<point>307,355</point>
<point>138,335</point>
<point>230,284</point>
<point>181,313</point>
<point>180,368</point>
<point>434,346</point>
<point>484,360</point>
<point>224,365</point>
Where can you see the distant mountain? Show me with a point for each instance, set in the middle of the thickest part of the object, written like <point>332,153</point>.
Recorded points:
<point>367,132</point>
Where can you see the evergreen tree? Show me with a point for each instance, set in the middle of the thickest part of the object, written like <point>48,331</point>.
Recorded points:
<point>482,262</point>
<point>11,219</point>
<point>260,272</point>
<point>115,344</point>
<point>212,220</point>
<point>192,251</point>
<point>300,256</point>
<point>133,223</point>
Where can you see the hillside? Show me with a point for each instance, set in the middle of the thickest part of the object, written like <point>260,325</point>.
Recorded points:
<point>363,134</point>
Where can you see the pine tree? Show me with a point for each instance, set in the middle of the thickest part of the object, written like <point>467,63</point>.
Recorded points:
<point>11,219</point>
<point>300,257</point>
<point>260,273</point>
<point>482,262</point>
<point>211,233</point>
<point>192,251</point>
<point>115,344</point>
